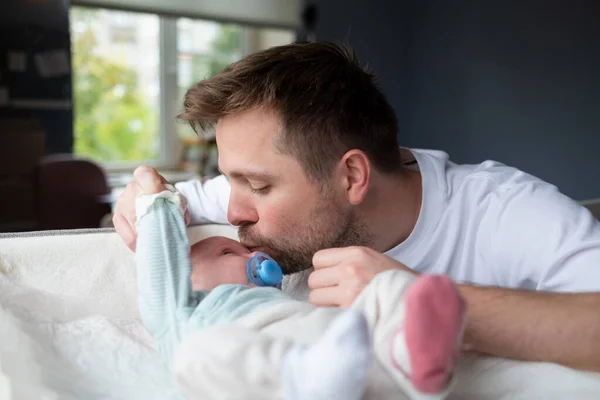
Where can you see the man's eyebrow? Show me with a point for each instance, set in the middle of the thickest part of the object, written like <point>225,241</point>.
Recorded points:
<point>248,174</point>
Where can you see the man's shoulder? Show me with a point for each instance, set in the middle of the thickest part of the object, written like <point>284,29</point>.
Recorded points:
<point>455,178</point>
<point>494,174</point>
<point>506,196</point>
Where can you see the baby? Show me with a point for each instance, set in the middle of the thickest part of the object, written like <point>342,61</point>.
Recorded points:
<point>230,339</point>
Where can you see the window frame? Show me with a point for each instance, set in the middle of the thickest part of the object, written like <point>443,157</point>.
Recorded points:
<point>170,147</point>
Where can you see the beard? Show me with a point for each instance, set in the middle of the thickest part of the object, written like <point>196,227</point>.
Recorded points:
<point>327,226</point>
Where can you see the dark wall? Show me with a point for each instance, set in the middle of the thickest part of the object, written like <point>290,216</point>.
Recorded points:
<point>35,27</point>
<point>514,81</point>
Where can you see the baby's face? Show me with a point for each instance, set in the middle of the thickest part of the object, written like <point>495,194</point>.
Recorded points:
<point>218,260</point>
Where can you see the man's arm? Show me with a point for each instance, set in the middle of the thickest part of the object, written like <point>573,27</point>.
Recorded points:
<point>541,240</point>
<point>207,200</point>
<point>525,325</point>
<point>535,326</point>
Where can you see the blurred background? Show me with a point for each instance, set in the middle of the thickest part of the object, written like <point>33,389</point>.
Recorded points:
<point>89,89</point>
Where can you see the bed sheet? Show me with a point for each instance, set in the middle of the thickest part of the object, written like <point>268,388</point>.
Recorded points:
<point>68,316</point>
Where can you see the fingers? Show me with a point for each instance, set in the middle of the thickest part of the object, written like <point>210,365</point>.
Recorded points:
<point>149,180</point>
<point>187,217</point>
<point>335,256</point>
<point>321,278</point>
<point>327,297</point>
<point>327,258</point>
<point>342,273</point>
<point>335,296</point>
<point>125,231</point>
<point>124,217</point>
<point>126,203</point>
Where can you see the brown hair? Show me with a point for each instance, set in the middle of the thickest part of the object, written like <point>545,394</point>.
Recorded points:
<point>327,104</point>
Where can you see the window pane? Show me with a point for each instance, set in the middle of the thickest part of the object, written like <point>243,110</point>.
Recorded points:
<point>204,49</point>
<point>116,84</point>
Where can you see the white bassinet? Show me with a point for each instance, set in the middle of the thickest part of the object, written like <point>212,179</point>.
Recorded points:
<point>69,329</point>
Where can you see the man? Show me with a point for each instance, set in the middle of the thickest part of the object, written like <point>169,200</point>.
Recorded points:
<point>313,175</point>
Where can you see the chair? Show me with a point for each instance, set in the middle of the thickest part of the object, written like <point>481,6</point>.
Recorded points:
<point>69,193</point>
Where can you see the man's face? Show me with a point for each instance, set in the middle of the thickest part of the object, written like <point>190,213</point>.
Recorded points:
<point>277,208</point>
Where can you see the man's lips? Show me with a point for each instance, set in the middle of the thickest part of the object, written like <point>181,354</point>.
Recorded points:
<point>249,246</point>
<point>253,246</point>
<point>256,248</point>
<point>262,249</point>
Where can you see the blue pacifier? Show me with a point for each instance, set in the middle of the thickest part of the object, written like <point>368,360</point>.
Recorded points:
<point>262,270</point>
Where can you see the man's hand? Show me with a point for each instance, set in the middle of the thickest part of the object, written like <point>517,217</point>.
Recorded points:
<point>342,273</point>
<point>124,217</point>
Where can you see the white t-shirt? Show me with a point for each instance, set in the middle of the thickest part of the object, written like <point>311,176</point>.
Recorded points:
<point>485,224</point>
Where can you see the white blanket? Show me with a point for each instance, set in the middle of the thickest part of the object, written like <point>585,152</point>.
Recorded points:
<point>88,358</point>
<point>75,297</point>
<point>69,326</point>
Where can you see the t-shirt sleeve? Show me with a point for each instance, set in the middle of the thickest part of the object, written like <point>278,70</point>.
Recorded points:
<point>207,201</point>
<point>543,240</point>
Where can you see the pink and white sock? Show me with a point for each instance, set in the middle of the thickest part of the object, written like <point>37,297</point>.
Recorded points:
<point>426,347</point>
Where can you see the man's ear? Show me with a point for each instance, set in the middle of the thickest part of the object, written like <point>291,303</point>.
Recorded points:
<point>355,169</point>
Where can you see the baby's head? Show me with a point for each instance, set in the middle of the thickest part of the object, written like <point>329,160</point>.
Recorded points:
<point>218,260</point>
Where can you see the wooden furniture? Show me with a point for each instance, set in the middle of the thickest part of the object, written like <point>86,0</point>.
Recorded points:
<point>68,193</point>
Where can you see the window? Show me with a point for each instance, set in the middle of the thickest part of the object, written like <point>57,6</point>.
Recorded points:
<point>204,48</point>
<point>115,81</point>
<point>131,71</point>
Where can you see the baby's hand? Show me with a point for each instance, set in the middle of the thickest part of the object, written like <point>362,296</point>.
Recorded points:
<point>149,181</point>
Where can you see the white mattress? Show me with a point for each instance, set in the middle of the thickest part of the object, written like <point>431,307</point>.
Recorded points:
<point>74,297</point>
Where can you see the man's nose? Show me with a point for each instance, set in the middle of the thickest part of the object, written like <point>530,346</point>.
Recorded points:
<point>240,210</point>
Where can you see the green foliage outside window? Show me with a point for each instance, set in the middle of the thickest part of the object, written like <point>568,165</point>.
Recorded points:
<point>113,120</point>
